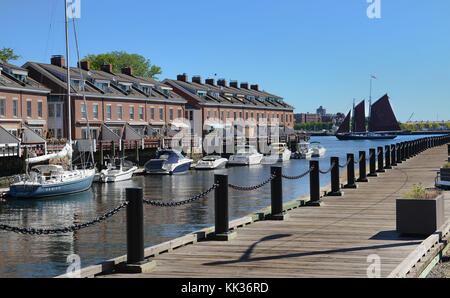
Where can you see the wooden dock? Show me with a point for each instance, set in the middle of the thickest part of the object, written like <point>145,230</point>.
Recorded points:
<point>342,238</point>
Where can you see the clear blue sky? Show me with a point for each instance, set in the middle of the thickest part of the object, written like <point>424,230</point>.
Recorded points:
<point>311,52</point>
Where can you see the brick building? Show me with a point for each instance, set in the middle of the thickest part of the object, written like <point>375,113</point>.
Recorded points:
<point>23,107</point>
<point>211,102</point>
<point>123,102</point>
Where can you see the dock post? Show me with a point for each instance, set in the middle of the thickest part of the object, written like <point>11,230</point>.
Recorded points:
<point>135,262</point>
<point>362,167</point>
<point>24,159</point>
<point>393,155</point>
<point>314,184</point>
<point>387,151</point>
<point>380,160</point>
<point>276,193</point>
<point>335,186</point>
<point>350,171</point>
<point>222,231</point>
<point>404,151</point>
<point>137,152</point>
<point>372,163</point>
<point>101,158</point>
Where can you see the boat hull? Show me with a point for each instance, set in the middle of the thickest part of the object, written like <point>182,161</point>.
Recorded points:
<point>216,165</point>
<point>20,190</point>
<point>116,177</point>
<point>346,137</point>
<point>168,169</point>
<point>245,160</point>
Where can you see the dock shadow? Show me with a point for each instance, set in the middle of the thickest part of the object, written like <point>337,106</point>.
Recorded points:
<point>246,257</point>
<point>394,235</point>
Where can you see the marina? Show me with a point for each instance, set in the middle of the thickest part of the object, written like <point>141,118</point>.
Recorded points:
<point>107,240</point>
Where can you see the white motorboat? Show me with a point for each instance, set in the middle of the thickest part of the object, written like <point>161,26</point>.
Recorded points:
<point>278,152</point>
<point>245,155</point>
<point>317,149</point>
<point>168,161</point>
<point>116,170</point>
<point>303,151</point>
<point>210,162</point>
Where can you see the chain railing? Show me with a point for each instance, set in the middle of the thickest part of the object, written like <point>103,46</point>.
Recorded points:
<point>72,228</point>
<point>298,176</point>
<point>250,188</point>
<point>329,170</point>
<point>180,203</point>
<point>346,164</point>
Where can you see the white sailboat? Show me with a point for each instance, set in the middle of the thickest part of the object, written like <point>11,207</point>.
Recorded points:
<point>54,180</point>
<point>116,170</point>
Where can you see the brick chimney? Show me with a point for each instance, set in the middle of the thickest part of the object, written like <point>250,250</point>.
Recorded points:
<point>182,77</point>
<point>107,68</point>
<point>197,79</point>
<point>254,87</point>
<point>85,65</point>
<point>234,84</point>
<point>244,85</point>
<point>210,81</point>
<point>222,82</point>
<point>127,70</point>
<point>58,60</point>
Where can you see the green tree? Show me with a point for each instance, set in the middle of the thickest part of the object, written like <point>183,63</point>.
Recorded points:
<point>119,59</point>
<point>7,54</point>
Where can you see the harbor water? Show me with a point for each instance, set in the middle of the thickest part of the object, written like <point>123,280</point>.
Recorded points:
<point>46,255</point>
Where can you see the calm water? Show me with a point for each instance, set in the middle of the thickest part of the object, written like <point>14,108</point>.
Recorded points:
<point>46,255</point>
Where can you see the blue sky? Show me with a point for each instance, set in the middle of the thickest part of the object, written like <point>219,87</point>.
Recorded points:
<point>311,52</point>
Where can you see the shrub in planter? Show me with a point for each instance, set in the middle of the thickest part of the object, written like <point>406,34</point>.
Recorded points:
<point>420,211</point>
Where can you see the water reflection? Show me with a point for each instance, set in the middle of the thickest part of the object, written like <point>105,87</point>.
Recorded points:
<point>45,255</point>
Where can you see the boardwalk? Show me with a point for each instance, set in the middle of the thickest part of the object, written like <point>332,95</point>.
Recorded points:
<point>333,240</point>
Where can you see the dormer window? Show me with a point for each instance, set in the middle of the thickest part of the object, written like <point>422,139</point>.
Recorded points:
<point>75,83</point>
<point>20,75</point>
<point>201,94</point>
<point>125,86</point>
<point>101,84</point>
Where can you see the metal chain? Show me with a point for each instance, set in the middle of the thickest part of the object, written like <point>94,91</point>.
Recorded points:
<point>327,171</point>
<point>174,204</point>
<point>346,164</point>
<point>249,188</point>
<point>360,159</point>
<point>370,155</point>
<point>299,176</point>
<point>72,228</point>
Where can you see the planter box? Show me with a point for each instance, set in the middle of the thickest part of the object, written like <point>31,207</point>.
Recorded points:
<point>420,216</point>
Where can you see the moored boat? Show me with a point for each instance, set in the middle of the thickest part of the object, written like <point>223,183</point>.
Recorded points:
<point>278,152</point>
<point>245,155</point>
<point>317,149</point>
<point>211,162</point>
<point>168,162</point>
<point>116,170</point>
<point>303,151</point>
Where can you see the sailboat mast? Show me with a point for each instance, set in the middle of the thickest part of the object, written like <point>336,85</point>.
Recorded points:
<point>353,121</point>
<point>370,104</point>
<point>69,122</point>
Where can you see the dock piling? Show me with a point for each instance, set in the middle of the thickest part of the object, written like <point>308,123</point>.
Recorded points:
<point>387,152</point>
<point>314,184</point>
<point>380,160</point>
<point>393,155</point>
<point>276,193</point>
<point>335,185</point>
<point>222,231</point>
<point>372,163</point>
<point>362,167</point>
<point>350,171</point>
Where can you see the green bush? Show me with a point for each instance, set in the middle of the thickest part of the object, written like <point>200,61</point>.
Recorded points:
<point>420,192</point>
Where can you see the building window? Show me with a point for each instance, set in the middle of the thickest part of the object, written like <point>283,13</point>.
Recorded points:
<point>40,109</point>
<point>234,115</point>
<point>161,114</point>
<point>191,115</point>
<point>51,110</point>
<point>170,114</point>
<point>29,108</point>
<point>119,112</point>
<point>208,114</point>
<point>221,115</point>
<point>58,110</point>
<point>257,116</point>
<point>2,107</point>
<point>179,113</point>
<point>94,133</point>
<point>215,114</point>
<point>108,112</point>
<point>15,107</point>
<point>228,114</point>
<point>282,117</point>
<point>131,113</point>
<point>83,111</point>
<point>141,113</point>
<point>95,111</point>
<point>59,133</point>
<point>152,113</point>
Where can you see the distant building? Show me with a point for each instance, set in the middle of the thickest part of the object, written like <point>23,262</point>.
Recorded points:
<point>321,111</point>
<point>307,118</point>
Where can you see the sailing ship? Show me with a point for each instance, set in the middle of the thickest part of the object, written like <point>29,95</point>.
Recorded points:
<point>55,180</point>
<point>382,122</point>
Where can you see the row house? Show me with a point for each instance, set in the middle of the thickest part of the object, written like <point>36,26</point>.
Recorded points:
<point>23,108</point>
<point>122,103</point>
<point>212,102</point>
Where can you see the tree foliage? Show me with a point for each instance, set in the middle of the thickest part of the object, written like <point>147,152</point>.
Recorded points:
<point>119,59</point>
<point>313,126</point>
<point>7,54</point>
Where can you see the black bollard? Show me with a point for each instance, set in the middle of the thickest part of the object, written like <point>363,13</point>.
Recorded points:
<point>222,231</point>
<point>314,184</point>
<point>393,155</point>
<point>387,158</point>
<point>350,171</point>
<point>403,151</point>
<point>276,193</point>
<point>372,163</point>
<point>380,160</point>
<point>335,186</point>
<point>362,167</point>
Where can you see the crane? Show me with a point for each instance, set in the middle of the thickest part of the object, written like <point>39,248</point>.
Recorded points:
<point>410,117</point>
